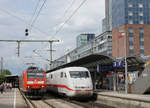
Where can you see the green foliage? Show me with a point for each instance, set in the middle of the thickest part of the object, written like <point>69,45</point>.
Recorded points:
<point>6,72</point>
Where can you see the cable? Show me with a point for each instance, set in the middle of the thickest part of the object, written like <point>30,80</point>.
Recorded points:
<point>20,19</point>
<point>37,14</point>
<point>70,16</point>
<point>36,7</point>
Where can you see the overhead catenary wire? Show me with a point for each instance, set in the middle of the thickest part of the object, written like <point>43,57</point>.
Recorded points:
<point>22,20</point>
<point>67,10</point>
<point>35,10</point>
<point>37,14</point>
<point>74,12</point>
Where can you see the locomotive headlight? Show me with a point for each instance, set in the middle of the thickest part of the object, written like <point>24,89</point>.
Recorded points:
<point>40,82</point>
<point>29,82</point>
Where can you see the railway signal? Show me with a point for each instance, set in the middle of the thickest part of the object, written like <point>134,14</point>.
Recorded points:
<point>26,32</point>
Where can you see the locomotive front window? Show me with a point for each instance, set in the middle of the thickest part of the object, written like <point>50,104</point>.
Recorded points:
<point>35,74</point>
<point>79,74</point>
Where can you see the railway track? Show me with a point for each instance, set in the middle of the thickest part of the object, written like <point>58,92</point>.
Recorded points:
<point>52,101</point>
<point>36,103</point>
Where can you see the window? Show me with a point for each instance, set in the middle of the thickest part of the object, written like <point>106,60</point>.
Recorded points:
<point>141,30</point>
<point>131,47</point>
<point>130,5</point>
<point>131,51</point>
<point>35,74</point>
<point>65,75</point>
<point>130,21</point>
<point>130,14</point>
<point>140,5</point>
<point>141,47</point>
<point>130,30</point>
<point>51,76</point>
<point>142,39</point>
<point>140,13</point>
<point>141,22</point>
<point>61,75</point>
<point>142,51</point>
<point>79,74</point>
<point>130,39</point>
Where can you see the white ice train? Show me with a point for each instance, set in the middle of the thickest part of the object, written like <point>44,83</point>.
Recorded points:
<point>71,82</point>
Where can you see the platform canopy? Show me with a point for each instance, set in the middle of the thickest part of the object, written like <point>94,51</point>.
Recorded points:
<point>101,59</point>
<point>134,62</point>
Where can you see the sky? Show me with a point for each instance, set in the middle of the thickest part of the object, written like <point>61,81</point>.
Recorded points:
<point>17,15</point>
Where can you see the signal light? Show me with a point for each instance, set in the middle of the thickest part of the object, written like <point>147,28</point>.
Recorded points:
<point>26,32</point>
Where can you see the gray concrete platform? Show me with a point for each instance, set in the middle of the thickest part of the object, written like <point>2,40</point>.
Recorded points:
<point>12,99</point>
<point>122,100</point>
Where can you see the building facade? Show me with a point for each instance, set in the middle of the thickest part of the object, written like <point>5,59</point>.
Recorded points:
<point>101,44</point>
<point>84,38</point>
<point>132,17</point>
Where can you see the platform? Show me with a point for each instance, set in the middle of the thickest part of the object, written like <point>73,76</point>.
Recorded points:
<point>12,99</point>
<point>123,100</point>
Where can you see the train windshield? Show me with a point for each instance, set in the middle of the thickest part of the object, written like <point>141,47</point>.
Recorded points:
<point>79,74</point>
<point>35,74</point>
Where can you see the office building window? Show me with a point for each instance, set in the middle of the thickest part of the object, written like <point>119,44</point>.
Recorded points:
<point>131,51</point>
<point>130,39</point>
<point>141,33</point>
<point>130,5</point>
<point>130,21</point>
<point>130,13</point>
<point>131,47</point>
<point>141,51</point>
<point>130,30</point>
<point>141,30</point>
<point>141,22</point>
<point>142,47</point>
<point>140,5</point>
<point>140,13</point>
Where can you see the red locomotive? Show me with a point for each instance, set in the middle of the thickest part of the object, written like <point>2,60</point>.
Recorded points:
<point>33,82</point>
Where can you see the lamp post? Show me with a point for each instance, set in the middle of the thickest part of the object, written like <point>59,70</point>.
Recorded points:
<point>125,60</point>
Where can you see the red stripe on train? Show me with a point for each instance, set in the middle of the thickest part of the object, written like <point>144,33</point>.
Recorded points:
<point>64,86</point>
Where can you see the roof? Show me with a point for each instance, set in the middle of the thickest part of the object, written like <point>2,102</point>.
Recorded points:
<point>11,76</point>
<point>134,60</point>
<point>102,59</point>
<point>134,63</point>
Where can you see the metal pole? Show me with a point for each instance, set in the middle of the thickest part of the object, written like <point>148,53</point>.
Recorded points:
<point>125,54</point>
<point>50,52</point>
<point>18,48</point>
<point>1,65</point>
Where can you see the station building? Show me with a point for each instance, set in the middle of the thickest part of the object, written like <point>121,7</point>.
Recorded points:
<point>102,44</point>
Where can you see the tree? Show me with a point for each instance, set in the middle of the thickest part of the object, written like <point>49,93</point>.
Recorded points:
<point>6,72</point>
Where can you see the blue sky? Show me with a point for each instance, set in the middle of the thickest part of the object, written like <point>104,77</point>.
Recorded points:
<point>15,17</point>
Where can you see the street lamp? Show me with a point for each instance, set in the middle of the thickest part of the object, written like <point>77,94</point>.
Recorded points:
<point>125,57</point>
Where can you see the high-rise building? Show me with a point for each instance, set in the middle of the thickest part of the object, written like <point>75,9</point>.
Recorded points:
<point>104,25</point>
<point>84,38</point>
<point>108,15</point>
<point>132,17</point>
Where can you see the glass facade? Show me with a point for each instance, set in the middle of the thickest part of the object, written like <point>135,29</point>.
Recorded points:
<point>131,47</point>
<point>130,12</point>
<point>84,38</point>
<point>141,39</point>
